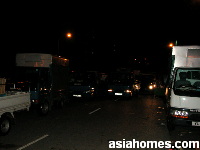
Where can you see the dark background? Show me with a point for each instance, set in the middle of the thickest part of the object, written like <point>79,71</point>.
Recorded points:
<point>105,35</point>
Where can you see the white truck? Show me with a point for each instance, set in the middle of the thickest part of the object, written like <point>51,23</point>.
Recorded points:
<point>11,102</point>
<point>183,88</point>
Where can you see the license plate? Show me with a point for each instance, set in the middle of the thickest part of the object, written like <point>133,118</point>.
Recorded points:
<point>195,110</point>
<point>77,95</point>
<point>195,123</point>
<point>118,93</point>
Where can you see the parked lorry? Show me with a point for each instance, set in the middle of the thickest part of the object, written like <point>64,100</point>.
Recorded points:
<point>45,76</point>
<point>11,102</point>
<point>183,88</point>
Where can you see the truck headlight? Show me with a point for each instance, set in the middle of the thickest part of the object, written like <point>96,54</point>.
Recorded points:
<point>35,101</point>
<point>110,90</point>
<point>150,87</point>
<point>137,87</point>
<point>180,113</point>
<point>92,90</point>
<point>128,91</point>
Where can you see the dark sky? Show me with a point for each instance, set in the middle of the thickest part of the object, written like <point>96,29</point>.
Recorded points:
<point>101,30</point>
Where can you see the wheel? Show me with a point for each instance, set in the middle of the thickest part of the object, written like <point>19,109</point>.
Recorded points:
<point>44,109</point>
<point>5,126</point>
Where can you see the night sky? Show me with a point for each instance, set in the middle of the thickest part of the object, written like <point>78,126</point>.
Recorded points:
<point>105,35</point>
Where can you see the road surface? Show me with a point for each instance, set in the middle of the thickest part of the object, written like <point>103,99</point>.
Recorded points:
<point>90,125</point>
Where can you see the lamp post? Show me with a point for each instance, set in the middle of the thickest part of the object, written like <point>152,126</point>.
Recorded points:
<point>68,35</point>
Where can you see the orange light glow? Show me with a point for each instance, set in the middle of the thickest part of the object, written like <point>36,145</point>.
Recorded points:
<point>177,116</point>
<point>68,35</point>
<point>171,45</point>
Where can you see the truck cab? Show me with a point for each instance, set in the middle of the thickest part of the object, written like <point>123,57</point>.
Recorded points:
<point>83,84</point>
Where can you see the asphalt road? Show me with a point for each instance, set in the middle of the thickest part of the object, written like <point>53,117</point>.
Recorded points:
<point>90,125</point>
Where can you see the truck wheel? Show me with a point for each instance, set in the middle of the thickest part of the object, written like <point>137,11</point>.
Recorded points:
<point>44,109</point>
<point>5,126</point>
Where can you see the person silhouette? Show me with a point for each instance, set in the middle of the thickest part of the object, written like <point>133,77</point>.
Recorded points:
<point>182,82</point>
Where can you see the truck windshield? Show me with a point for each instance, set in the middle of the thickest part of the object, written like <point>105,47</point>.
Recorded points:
<point>187,82</point>
<point>120,79</point>
<point>82,78</point>
<point>32,79</point>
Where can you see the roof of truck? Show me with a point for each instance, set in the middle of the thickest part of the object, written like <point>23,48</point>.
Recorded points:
<point>186,56</point>
<point>39,60</point>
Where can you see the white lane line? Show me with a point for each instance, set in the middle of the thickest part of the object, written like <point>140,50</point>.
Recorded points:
<point>94,111</point>
<point>116,99</point>
<point>33,142</point>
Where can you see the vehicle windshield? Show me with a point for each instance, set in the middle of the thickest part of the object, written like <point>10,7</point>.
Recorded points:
<point>86,78</point>
<point>147,79</point>
<point>120,79</point>
<point>187,82</point>
<point>31,79</point>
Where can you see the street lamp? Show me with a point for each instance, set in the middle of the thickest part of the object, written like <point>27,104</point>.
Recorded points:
<point>171,44</point>
<point>69,35</point>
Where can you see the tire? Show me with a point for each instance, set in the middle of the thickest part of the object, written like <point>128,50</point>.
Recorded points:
<point>44,109</point>
<point>5,126</point>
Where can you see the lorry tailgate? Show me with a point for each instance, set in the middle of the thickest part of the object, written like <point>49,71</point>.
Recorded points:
<point>18,101</point>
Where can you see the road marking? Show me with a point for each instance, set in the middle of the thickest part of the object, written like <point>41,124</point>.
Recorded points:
<point>33,142</point>
<point>116,99</point>
<point>94,111</point>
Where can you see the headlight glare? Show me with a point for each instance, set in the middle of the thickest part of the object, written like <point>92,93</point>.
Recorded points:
<point>180,113</point>
<point>128,91</point>
<point>110,90</point>
<point>151,87</point>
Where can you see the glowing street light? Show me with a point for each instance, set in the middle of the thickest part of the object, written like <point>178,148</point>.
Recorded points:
<point>69,35</point>
<point>171,44</point>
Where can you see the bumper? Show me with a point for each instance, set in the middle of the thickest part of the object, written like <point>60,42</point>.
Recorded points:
<point>120,94</point>
<point>184,117</point>
<point>185,122</point>
<point>81,95</point>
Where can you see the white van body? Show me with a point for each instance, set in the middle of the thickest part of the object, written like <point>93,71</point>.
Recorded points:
<point>183,91</point>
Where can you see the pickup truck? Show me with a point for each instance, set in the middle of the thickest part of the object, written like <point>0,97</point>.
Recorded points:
<point>11,102</point>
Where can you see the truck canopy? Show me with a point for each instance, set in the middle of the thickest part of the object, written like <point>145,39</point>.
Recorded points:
<point>39,60</point>
<point>186,56</point>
